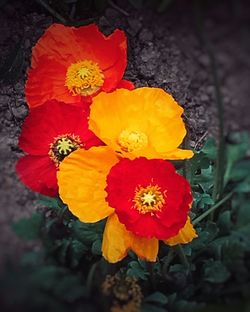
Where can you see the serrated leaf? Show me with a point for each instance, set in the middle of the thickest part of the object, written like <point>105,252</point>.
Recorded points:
<point>87,233</point>
<point>135,270</point>
<point>29,228</point>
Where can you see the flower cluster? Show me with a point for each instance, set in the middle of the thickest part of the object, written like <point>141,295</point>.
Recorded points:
<point>102,145</point>
<point>124,291</point>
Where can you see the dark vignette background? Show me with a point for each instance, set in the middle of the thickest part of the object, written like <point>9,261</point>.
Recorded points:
<point>164,50</point>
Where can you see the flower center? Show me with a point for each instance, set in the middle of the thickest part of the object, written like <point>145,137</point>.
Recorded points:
<point>84,78</point>
<point>149,199</point>
<point>62,146</point>
<point>131,141</point>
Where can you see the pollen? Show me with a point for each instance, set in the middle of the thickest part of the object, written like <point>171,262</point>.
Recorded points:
<point>62,146</point>
<point>131,141</point>
<point>84,78</point>
<point>149,199</point>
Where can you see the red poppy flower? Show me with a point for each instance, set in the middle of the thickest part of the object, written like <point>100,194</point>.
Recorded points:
<point>50,133</point>
<point>69,63</point>
<point>144,199</point>
<point>149,197</point>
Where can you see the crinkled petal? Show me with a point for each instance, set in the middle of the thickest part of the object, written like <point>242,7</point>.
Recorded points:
<point>150,111</point>
<point>185,235</point>
<point>178,154</point>
<point>39,174</point>
<point>82,182</point>
<point>116,240</point>
<point>146,249</point>
<point>126,84</point>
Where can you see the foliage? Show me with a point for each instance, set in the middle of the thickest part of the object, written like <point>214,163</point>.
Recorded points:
<point>67,273</point>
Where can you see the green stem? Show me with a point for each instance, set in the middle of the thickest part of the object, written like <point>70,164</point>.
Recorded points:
<point>169,259</point>
<point>220,161</point>
<point>212,209</point>
<point>182,256</point>
<point>90,277</point>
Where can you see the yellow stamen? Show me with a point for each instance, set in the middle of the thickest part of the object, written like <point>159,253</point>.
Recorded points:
<point>131,141</point>
<point>84,78</point>
<point>149,199</point>
<point>62,146</point>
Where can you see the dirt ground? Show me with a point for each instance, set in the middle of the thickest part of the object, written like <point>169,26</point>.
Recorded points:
<point>164,51</point>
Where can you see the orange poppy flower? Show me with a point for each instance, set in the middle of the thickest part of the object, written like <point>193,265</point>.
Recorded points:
<point>145,200</point>
<point>142,122</point>
<point>69,63</point>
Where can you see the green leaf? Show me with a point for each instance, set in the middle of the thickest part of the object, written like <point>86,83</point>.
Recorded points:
<point>136,270</point>
<point>215,272</point>
<point>225,222</point>
<point>210,149</point>
<point>97,247</point>
<point>157,297</point>
<point>50,202</point>
<point>235,152</point>
<point>240,171</point>
<point>243,215</point>
<point>29,228</point>
<point>244,186</point>
<point>87,233</point>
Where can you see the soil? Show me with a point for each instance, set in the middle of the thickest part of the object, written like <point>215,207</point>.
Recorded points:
<point>164,50</point>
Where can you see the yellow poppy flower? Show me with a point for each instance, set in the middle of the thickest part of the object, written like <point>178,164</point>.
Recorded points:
<point>142,122</point>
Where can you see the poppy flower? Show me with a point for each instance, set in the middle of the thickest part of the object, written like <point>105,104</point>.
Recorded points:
<point>50,133</point>
<point>142,122</point>
<point>69,63</point>
<point>145,200</point>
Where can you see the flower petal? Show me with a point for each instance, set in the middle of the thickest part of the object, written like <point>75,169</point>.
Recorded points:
<point>39,174</point>
<point>82,182</point>
<point>50,120</point>
<point>185,235</point>
<point>148,112</point>
<point>146,249</point>
<point>126,84</point>
<point>46,81</point>
<point>60,47</point>
<point>116,240</point>
<point>179,154</point>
